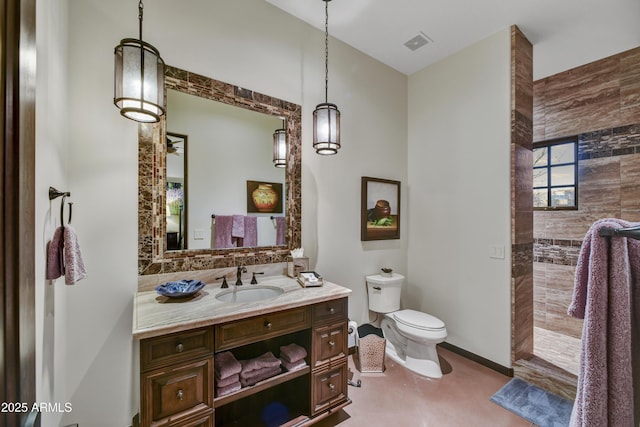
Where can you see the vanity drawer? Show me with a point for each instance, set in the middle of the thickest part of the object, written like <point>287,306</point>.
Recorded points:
<point>329,387</point>
<point>259,328</point>
<point>329,311</point>
<point>329,343</point>
<point>178,394</point>
<point>173,348</point>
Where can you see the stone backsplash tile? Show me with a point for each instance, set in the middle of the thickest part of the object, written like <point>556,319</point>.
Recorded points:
<point>560,251</point>
<point>609,142</point>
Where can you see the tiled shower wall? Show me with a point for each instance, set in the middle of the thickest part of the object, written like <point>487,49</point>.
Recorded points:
<point>599,102</point>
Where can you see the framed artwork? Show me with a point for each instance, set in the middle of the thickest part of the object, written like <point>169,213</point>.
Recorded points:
<point>264,197</point>
<point>380,209</point>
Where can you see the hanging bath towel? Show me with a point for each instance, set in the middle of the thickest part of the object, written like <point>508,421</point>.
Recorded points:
<point>74,269</point>
<point>606,285</point>
<point>55,263</point>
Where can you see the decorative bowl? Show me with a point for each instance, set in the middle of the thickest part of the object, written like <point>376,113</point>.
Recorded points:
<point>180,289</point>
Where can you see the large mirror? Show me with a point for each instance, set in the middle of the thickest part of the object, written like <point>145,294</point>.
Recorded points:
<point>176,196</point>
<point>230,164</point>
<point>180,235</point>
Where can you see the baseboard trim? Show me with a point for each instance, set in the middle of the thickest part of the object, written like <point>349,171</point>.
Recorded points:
<point>478,359</point>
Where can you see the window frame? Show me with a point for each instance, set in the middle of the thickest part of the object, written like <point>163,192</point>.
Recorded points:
<point>548,167</point>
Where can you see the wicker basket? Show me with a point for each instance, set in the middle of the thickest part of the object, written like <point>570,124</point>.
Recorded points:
<point>370,352</point>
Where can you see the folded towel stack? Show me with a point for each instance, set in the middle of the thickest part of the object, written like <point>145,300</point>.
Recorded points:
<point>227,372</point>
<point>259,368</point>
<point>292,356</point>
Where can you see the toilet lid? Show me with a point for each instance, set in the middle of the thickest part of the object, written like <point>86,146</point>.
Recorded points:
<point>418,319</point>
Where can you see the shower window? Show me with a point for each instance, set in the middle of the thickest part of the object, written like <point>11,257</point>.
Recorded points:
<point>555,174</point>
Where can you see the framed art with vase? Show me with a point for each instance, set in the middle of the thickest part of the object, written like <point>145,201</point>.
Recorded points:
<point>264,197</point>
<point>380,209</point>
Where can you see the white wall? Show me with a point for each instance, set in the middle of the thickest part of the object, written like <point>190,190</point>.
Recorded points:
<point>51,170</point>
<point>459,196</point>
<point>251,44</point>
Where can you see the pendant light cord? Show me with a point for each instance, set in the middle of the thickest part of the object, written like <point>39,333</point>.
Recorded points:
<point>326,50</point>
<point>140,8</point>
<point>140,12</point>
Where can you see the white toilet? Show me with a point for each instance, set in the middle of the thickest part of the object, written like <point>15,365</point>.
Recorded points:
<point>411,335</point>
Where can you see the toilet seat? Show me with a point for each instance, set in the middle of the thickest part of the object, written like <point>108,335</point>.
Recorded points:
<point>418,320</point>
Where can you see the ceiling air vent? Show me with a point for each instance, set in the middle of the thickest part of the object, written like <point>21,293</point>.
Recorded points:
<point>418,41</point>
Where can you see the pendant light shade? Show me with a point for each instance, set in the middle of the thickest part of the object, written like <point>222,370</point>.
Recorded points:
<point>139,79</point>
<point>326,129</point>
<point>280,147</point>
<point>326,116</point>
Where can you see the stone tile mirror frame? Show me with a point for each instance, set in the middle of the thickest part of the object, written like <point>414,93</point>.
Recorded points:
<point>153,258</point>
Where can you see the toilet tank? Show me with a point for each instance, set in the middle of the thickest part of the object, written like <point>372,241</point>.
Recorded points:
<point>384,292</point>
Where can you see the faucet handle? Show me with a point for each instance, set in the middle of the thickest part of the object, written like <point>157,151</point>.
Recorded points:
<point>224,281</point>
<point>253,279</point>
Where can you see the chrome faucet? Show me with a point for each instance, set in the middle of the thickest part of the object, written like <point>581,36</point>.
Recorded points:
<point>241,269</point>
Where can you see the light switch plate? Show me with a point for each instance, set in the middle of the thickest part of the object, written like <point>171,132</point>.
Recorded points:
<point>496,252</point>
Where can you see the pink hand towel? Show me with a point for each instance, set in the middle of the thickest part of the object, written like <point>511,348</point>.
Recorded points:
<point>261,376</point>
<point>223,382</point>
<point>266,360</point>
<point>222,391</point>
<point>606,283</point>
<point>55,250</point>
<point>223,238</point>
<point>74,269</point>
<point>225,365</point>
<point>250,231</point>
<point>292,352</point>
<point>238,226</point>
<point>294,366</point>
<point>280,229</point>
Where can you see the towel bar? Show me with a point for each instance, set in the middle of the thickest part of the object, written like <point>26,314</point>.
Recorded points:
<point>633,232</point>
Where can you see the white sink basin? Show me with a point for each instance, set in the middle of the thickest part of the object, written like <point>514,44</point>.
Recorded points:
<point>250,294</point>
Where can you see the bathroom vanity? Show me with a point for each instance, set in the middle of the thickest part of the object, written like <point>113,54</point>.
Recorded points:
<point>179,338</point>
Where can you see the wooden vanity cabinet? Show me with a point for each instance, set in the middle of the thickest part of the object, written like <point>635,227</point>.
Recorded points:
<point>329,356</point>
<point>177,379</point>
<point>177,372</point>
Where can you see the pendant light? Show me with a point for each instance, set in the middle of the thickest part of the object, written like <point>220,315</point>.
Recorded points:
<point>139,79</point>
<point>280,147</point>
<point>326,116</point>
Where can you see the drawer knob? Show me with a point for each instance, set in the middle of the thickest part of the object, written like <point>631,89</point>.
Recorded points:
<point>179,348</point>
<point>180,394</point>
<point>268,325</point>
<point>332,387</point>
<point>332,344</point>
<point>332,310</point>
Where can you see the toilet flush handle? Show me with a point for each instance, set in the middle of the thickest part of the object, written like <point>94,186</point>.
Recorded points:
<point>377,288</point>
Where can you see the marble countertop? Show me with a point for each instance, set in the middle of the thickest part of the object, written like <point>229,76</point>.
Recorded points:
<point>155,315</point>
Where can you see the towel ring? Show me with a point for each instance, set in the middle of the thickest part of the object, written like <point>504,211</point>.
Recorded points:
<point>62,211</point>
<point>54,194</point>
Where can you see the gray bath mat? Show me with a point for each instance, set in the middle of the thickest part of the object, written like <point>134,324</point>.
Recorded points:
<point>534,404</point>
